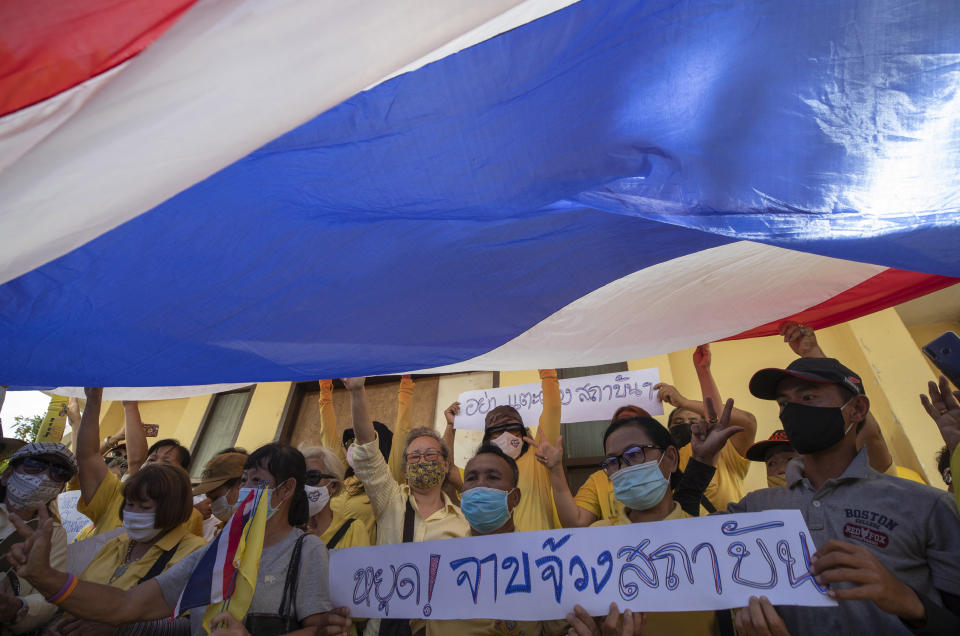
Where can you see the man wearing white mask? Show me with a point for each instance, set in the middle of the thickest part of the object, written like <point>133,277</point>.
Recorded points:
<point>34,477</point>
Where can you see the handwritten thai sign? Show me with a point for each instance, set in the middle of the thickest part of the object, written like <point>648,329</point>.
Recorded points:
<point>705,563</point>
<point>73,520</point>
<point>585,399</point>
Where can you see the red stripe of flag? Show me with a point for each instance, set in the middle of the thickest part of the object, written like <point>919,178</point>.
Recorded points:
<point>49,46</point>
<point>886,289</point>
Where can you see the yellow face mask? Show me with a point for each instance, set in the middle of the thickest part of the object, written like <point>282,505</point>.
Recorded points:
<point>776,481</point>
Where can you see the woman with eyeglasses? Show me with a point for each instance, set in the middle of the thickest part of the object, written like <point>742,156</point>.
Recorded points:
<point>35,475</point>
<point>642,462</point>
<point>415,511</point>
<point>324,482</point>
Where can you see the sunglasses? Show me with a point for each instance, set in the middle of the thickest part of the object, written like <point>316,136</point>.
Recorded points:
<point>57,471</point>
<point>314,477</point>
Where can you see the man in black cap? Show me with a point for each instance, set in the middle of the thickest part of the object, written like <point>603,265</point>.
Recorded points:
<point>887,547</point>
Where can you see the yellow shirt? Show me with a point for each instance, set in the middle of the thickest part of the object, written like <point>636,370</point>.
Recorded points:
<point>904,473</point>
<point>353,501</point>
<point>537,510</point>
<point>670,623</point>
<point>110,557</point>
<point>357,535</point>
<point>104,510</point>
<point>596,497</point>
<point>727,483</point>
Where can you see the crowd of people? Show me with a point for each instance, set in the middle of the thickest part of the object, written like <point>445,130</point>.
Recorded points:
<point>377,486</point>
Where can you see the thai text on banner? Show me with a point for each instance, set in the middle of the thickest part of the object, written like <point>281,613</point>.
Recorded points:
<point>706,563</point>
<point>584,399</point>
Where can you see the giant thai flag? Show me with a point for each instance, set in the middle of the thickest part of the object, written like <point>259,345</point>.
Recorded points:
<point>228,191</point>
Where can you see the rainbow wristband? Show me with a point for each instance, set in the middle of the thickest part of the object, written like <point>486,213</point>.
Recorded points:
<point>68,587</point>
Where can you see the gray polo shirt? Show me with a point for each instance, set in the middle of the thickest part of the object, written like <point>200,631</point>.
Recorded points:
<point>912,528</point>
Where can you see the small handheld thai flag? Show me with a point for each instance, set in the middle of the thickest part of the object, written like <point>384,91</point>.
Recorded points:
<point>226,575</point>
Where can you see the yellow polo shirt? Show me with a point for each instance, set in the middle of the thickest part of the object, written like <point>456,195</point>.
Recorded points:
<point>596,497</point>
<point>480,627</point>
<point>352,501</point>
<point>727,483</point>
<point>110,557</point>
<point>669,623</point>
<point>357,535</point>
<point>104,509</point>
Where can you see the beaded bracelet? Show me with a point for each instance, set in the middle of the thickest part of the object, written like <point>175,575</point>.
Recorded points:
<point>68,587</point>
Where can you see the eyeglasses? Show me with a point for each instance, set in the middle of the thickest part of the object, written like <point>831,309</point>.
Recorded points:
<point>314,477</point>
<point>417,456</point>
<point>630,457</point>
<point>36,465</point>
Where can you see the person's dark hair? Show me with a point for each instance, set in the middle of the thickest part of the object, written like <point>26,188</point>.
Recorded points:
<point>943,459</point>
<point>492,449</point>
<point>384,438</point>
<point>657,432</point>
<point>183,451</point>
<point>168,486</point>
<point>233,449</point>
<point>283,462</point>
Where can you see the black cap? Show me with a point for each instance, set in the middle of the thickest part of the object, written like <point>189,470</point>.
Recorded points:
<point>764,383</point>
<point>758,452</point>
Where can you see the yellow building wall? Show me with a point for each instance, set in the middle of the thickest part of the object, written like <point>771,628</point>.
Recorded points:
<point>261,424</point>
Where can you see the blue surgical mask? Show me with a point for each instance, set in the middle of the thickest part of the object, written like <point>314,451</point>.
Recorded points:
<point>268,493</point>
<point>640,487</point>
<point>486,509</point>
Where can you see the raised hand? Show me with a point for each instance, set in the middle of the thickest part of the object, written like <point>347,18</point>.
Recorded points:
<point>550,455</point>
<point>451,413</point>
<point>702,357</point>
<point>943,408</point>
<point>802,339</point>
<point>669,394</point>
<point>32,557</point>
<point>709,436</point>
<point>760,618</point>
<point>353,384</point>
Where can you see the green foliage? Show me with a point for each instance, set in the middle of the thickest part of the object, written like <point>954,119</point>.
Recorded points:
<point>26,428</point>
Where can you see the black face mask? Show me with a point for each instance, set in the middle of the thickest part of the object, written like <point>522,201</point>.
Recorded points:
<point>681,434</point>
<point>812,429</point>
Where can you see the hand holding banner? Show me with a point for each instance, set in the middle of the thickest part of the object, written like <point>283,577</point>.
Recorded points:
<point>584,399</point>
<point>706,563</point>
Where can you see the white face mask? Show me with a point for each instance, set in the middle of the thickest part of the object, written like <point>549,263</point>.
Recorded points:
<point>140,525</point>
<point>28,492</point>
<point>317,497</point>
<point>510,444</point>
<point>221,508</point>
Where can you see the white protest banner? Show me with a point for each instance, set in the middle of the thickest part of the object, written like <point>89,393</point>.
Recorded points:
<point>705,563</point>
<point>584,399</point>
<point>72,520</point>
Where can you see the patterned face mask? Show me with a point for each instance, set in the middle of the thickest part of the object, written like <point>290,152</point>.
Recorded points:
<point>27,492</point>
<point>425,474</point>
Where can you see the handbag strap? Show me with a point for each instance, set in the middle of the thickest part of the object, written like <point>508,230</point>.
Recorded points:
<point>341,532</point>
<point>408,518</point>
<point>159,564</point>
<point>289,599</point>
